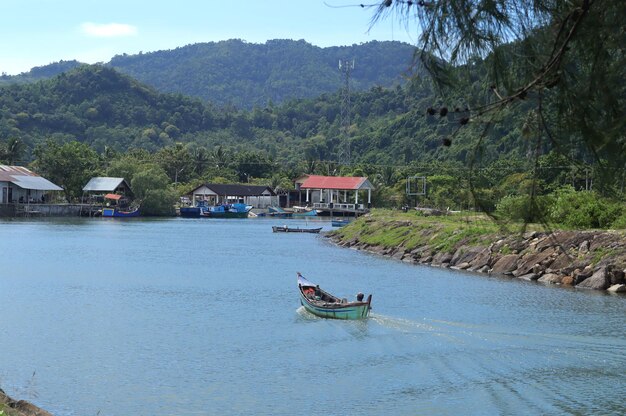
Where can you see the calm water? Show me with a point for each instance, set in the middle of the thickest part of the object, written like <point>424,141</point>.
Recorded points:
<point>201,317</point>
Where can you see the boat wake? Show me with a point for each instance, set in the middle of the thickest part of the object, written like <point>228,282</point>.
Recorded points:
<point>463,332</point>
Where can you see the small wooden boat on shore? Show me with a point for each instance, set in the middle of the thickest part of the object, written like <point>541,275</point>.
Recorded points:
<point>286,229</point>
<point>323,304</point>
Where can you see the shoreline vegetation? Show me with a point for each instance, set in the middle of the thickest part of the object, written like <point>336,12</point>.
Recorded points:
<point>473,242</point>
<point>12,407</point>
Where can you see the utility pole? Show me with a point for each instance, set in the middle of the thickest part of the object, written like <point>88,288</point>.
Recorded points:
<point>346,67</point>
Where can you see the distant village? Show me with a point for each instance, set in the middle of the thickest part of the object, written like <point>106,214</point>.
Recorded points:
<point>27,194</point>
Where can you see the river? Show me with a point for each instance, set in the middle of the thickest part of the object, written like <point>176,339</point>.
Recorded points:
<point>202,317</point>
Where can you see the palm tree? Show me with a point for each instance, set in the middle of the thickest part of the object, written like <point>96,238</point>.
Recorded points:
<point>13,151</point>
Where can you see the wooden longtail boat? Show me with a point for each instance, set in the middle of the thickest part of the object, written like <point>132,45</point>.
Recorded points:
<point>325,305</point>
<point>286,229</point>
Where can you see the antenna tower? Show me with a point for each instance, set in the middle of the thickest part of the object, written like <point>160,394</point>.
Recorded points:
<point>346,67</point>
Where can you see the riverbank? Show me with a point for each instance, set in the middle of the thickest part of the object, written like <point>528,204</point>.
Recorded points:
<point>12,407</point>
<point>582,259</point>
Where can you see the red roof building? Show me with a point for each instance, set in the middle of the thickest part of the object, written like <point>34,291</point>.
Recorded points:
<point>325,190</point>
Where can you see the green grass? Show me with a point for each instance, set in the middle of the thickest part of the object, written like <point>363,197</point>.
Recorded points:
<point>389,228</point>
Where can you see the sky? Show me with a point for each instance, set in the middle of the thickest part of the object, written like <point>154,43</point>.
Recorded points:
<point>39,32</point>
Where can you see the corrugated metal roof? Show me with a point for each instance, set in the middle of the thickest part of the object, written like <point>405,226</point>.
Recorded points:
<point>103,184</point>
<point>336,182</point>
<point>35,182</point>
<point>7,172</point>
<point>237,190</point>
<point>26,179</point>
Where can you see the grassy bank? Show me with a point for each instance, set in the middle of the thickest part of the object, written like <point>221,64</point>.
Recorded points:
<point>413,229</point>
<point>592,259</point>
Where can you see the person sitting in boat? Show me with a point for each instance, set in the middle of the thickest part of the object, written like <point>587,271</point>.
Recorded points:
<point>309,292</point>
<point>359,297</point>
<point>318,292</point>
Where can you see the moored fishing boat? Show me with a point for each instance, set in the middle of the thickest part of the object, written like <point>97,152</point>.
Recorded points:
<point>190,212</point>
<point>117,213</point>
<point>339,222</point>
<point>304,211</point>
<point>286,229</point>
<point>323,304</point>
<point>227,211</point>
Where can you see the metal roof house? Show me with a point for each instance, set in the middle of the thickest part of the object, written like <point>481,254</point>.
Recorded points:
<point>335,192</point>
<point>215,194</point>
<point>20,185</point>
<point>108,185</point>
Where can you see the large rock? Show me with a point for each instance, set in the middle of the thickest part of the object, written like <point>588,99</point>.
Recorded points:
<point>441,258</point>
<point>563,262</point>
<point>617,288</point>
<point>483,258</point>
<point>551,278</point>
<point>600,280</point>
<point>564,239</point>
<point>617,276</point>
<point>529,276</point>
<point>506,264</point>
<point>581,275</point>
<point>529,261</point>
<point>465,255</point>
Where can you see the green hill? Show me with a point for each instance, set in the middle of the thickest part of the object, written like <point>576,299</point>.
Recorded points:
<point>242,74</point>
<point>247,74</point>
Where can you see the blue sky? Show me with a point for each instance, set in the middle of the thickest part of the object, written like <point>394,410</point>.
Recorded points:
<point>38,32</point>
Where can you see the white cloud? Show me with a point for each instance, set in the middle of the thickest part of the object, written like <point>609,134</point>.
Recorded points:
<point>108,30</point>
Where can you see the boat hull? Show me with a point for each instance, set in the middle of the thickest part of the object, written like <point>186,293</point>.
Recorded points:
<point>190,212</point>
<point>312,213</point>
<point>213,214</point>
<point>295,230</point>
<point>113,213</point>
<point>351,311</point>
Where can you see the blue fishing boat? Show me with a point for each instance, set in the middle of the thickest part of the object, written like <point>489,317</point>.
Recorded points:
<point>311,213</point>
<point>323,304</point>
<point>339,222</point>
<point>278,212</point>
<point>118,213</point>
<point>237,210</point>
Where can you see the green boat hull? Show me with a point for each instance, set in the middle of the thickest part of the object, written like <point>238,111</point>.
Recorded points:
<point>347,311</point>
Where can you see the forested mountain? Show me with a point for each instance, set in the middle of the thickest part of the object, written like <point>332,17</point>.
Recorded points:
<point>247,74</point>
<point>104,108</point>
<point>99,106</point>
<point>39,72</point>
<point>242,74</point>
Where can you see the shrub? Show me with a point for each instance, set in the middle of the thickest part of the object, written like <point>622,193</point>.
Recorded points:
<point>524,208</point>
<point>584,209</point>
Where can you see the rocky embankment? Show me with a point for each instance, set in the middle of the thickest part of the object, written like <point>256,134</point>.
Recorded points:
<point>586,260</point>
<point>12,407</point>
